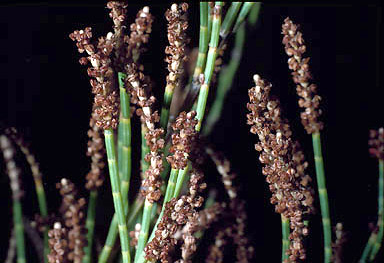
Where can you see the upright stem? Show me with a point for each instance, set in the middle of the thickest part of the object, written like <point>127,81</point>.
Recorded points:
<point>285,238</point>
<point>212,54</point>
<point>225,81</point>
<point>19,230</point>
<point>254,14</point>
<point>125,152</point>
<point>243,14</point>
<point>229,19</point>
<point>368,247</point>
<point>125,160</point>
<point>90,226</point>
<point>168,195</point>
<point>323,196</point>
<point>380,220</point>
<point>117,198</point>
<point>203,40</point>
<point>145,222</point>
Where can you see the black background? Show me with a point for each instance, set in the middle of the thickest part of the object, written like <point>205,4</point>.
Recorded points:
<point>45,93</point>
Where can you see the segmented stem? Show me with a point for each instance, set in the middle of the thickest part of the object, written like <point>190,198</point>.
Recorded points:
<point>203,40</point>
<point>168,195</point>
<point>116,193</point>
<point>380,220</point>
<point>145,223</point>
<point>125,152</point>
<point>225,81</point>
<point>39,187</point>
<point>90,226</point>
<point>229,19</point>
<point>323,196</point>
<point>113,229</point>
<point>125,160</point>
<point>285,238</point>
<point>212,54</point>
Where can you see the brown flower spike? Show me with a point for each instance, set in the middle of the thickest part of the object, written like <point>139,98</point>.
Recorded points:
<point>376,143</point>
<point>309,100</point>
<point>290,193</point>
<point>72,209</point>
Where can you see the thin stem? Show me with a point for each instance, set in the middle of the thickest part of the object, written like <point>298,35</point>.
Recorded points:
<point>143,236</point>
<point>225,81</point>
<point>125,152</point>
<point>243,14</point>
<point>144,148</point>
<point>285,238</point>
<point>125,160</point>
<point>380,220</point>
<point>117,198</point>
<point>323,196</point>
<point>19,230</point>
<point>180,181</point>
<point>212,54</point>
<point>39,187</point>
<point>113,229</point>
<point>254,14</point>
<point>229,19</point>
<point>90,226</point>
<point>210,20</point>
<point>168,195</point>
<point>203,40</point>
<point>368,247</point>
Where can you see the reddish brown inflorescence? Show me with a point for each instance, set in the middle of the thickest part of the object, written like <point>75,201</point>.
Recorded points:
<point>244,251</point>
<point>178,213</point>
<point>283,164</point>
<point>103,84</point>
<point>309,100</point>
<point>177,38</point>
<point>183,139</point>
<point>96,151</point>
<point>72,209</point>
<point>58,244</point>
<point>376,143</point>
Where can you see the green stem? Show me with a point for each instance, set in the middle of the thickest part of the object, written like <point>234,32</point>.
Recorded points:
<point>19,231</point>
<point>210,20</point>
<point>124,164</point>
<point>168,195</point>
<point>144,149</point>
<point>229,19</point>
<point>254,14</point>
<point>39,187</point>
<point>380,220</point>
<point>203,40</point>
<point>124,136</point>
<point>323,196</point>
<point>285,238</point>
<point>113,229</point>
<point>116,193</point>
<point>145,223</point>
<point>180,181</point>
<point>243,14</point>
<point>225,81</point>
<point>368,248</point>
<point>90,226</point>
<point>212,54</point>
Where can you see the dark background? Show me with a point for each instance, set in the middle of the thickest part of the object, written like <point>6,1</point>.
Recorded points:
<point>45,93</point>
